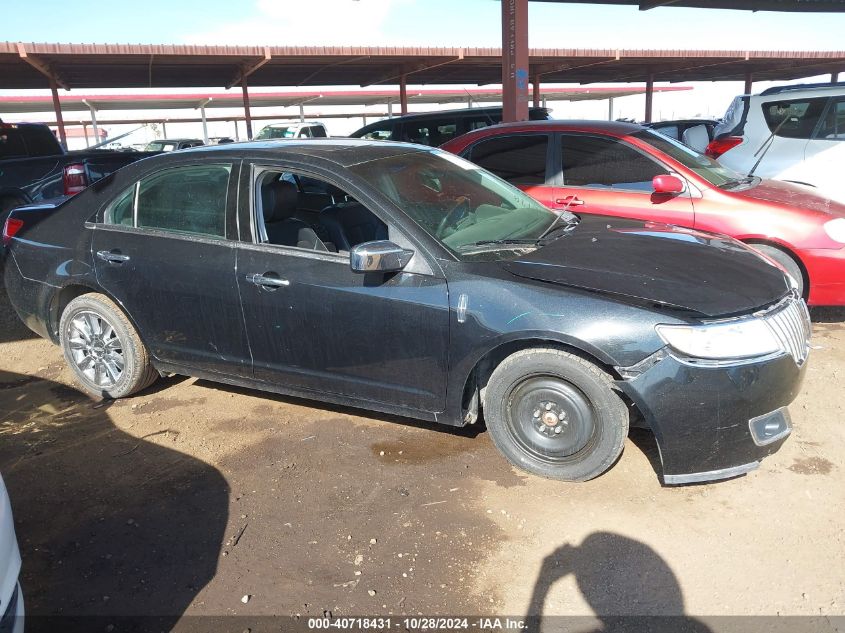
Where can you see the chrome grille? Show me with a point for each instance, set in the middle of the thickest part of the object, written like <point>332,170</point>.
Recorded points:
<point>790,322</point>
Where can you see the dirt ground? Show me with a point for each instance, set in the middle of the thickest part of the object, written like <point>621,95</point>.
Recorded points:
<point>192,495</point>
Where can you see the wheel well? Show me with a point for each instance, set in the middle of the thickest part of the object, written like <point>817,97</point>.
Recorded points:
<point>791,254</point>
<point>62,299</point>
<point>476,382</point>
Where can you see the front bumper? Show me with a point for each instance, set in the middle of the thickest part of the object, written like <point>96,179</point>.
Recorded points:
<point>701,415</point>
<point>12,621</point>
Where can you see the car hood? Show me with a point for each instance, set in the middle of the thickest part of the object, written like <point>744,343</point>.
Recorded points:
<point>701,274</point>
<point>793,195</point>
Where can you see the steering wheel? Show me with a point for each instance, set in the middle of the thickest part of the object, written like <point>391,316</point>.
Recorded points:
<point>455,215</point>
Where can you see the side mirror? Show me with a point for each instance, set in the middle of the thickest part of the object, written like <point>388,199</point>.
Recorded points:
<point>381,256</point>
<point>666,183</point>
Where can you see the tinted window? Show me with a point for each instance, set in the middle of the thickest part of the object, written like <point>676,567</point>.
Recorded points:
<point>521,160</point>
<point>318,132</point>
<point>590,161</point>
<point>833,124</point>
<point>305,132</point>
<point>122,210</point>
<point>40,141</point>
<point>185,199</point>
<point>383,132</point>
<point>433,133</point>
<point>11,143</point>
<point>794,119</point>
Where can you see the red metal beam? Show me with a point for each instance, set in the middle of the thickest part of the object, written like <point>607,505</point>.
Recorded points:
<point>403,94</point>
<point>649,97</point>
<point>57,106</point>
<point>515,60</point>
<point>247,115</point>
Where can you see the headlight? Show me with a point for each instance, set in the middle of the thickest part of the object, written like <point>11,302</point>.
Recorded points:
<point>835,230</point>
<point>721,341</point>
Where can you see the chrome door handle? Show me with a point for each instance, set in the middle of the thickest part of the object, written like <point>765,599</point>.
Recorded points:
<point>570,201</point>
<point>112,257</point>
<point>267,282</point>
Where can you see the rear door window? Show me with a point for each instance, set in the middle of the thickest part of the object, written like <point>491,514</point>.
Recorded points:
<point>383,132</point>
<point>185,200</point>
<point>519,159</point>
<point>606,163</point>
<point>797,118</point>
<point>832,127</point>
<point>318,131</point>
<point>12,143</point>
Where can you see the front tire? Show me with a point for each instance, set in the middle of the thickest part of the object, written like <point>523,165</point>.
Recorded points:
<point>103,348</point>
<point>786,261</point>
<point>555,414</point>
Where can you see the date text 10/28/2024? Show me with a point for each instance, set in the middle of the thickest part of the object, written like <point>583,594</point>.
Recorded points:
<point>420,623</point>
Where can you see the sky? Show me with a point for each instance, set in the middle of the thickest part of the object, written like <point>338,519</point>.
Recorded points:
<point>456,23</point>
<point>408,23</point>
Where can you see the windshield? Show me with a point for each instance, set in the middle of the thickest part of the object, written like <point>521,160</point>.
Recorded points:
<point>461,205</point>
<point>276,132</point>
<point>702,165</point>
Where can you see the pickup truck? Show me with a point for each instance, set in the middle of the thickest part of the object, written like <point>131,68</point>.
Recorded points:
<point>34,166</point>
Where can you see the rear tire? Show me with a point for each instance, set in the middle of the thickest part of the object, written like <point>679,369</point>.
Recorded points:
<point>786,261</point>
<point>555,414</point>
<point>103,348</point>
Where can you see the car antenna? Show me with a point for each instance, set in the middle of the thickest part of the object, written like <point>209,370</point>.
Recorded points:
<point>478,105</point>
<point>767,144</point>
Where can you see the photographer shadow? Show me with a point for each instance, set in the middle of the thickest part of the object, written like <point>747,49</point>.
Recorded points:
<point>628,586</point>
<point>114,530</point>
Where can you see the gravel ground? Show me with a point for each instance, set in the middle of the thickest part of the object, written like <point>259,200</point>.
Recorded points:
<point>201,499</point>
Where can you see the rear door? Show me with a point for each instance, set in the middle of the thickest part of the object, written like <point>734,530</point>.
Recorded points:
<point>603,175</point>
<point>524,160</point>
<point>824,154</point>
<point>164,251</point>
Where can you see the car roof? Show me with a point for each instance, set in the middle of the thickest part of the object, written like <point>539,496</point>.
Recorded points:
<point>787,93</point>
<point>340,151</point>
<point>618,128</point>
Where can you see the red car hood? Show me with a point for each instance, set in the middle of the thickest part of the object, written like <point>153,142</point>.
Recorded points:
<point>793,195</point>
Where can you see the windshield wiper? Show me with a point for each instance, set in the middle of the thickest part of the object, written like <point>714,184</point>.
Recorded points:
<point>734,182</point>
<point>502,241</point>
<point>564,221</point>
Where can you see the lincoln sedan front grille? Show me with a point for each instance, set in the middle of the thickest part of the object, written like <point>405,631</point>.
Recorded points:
<point>790,321</point>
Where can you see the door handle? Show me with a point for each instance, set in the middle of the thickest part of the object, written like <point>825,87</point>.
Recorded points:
<point>266,281</point>
<point>112,257</point>
<point>570,201</point>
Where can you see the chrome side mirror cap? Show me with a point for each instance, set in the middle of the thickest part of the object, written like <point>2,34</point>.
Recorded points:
<point>381,256</point>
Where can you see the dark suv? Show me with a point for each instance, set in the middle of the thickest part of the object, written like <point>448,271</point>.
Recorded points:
<point>435,128</point>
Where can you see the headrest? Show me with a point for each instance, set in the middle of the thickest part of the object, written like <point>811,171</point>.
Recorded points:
<point>279,200</point>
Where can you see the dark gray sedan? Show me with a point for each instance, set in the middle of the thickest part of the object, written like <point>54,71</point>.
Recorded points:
<point>403,279</point>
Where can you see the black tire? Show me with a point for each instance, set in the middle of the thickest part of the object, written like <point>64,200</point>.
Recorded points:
<point>590,423</point>
<point>786,261</point>
<point>93,357</point>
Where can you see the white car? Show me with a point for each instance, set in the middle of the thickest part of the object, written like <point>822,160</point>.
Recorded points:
<point>11,598</point>
<point>306,129</point>
<point>797,133</point>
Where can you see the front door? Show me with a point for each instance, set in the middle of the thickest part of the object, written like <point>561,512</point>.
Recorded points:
<point>605,176</point>
<point>317,326</point>
<point>162,251</point>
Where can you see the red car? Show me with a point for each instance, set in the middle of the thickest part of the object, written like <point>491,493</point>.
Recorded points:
<point>626,170</point>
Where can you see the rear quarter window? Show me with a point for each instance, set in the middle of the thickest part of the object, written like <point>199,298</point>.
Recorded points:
<point>797,118</point>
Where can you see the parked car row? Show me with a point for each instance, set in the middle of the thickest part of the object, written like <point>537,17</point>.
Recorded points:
<point>406,279</point>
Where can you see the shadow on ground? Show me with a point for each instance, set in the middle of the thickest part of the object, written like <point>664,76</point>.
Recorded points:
<point>108,524</point>
<point>627,584</point>
<point>11,327</point>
